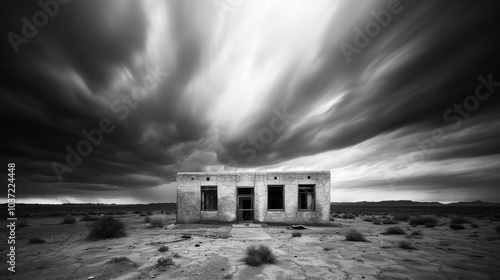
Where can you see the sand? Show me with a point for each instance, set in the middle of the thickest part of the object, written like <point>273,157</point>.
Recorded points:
<point>320,253</point>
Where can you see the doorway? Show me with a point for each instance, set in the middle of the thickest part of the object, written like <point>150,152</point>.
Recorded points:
<point>245,205</point>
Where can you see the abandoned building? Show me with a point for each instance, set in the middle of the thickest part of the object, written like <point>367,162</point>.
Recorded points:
<point>277,197</point>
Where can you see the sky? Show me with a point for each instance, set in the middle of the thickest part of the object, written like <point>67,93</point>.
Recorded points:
<point>105,101</point>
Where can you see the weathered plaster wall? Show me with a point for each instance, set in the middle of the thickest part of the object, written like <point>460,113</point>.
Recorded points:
<point>189,196</point>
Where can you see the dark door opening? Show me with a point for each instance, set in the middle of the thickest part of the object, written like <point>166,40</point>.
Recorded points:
<point>245,204</point>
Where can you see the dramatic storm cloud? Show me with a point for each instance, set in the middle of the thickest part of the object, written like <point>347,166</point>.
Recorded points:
<point>104,101</point>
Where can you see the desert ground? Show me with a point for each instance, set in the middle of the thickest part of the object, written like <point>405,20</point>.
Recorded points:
<point>321,252</point>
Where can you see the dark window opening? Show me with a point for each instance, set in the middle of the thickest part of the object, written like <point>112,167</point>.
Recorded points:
<point>208,198</point>
<point>308,177</point>
<point>306,197</point>
<point>208,179</point>
<point>275,198</point>
<point>275,178</point>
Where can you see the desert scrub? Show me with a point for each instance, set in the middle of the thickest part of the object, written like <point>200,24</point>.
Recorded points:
<point>459,220</point>
<point>106,227</point>
<point>416,232</point>
<point>354,235</point>
<point>157,221</point>
<point>88,218</point>
<point>296,234</point>
<point>69,220</point>
<point>176,255</point>
<point>259,254</point>
<point>36,240</point>
<point>119,259</point>
<point>389,222</point>
<point>456,226</point>
<point>428,221</point>
<point>394,230</point>
<point>376,221</point>
<point>405,244</point>
<point>401,217</point>
<point>163,248</point>
<point>368,219</point>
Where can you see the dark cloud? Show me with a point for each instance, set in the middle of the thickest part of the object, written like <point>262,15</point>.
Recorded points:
<point>224,82</point>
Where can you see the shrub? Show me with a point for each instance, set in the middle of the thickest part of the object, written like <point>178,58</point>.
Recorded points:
<point>332,219</point>
<point>69,220</point>
<point>406,245</point>
<point>176,255</point>
<point>157,221</point>
<point>137,212</point>
<point>21,224</point>
<point>497,228</point>
<point>394,230</point>
<point>444,243</point>
<point>474,225</point>
<point>423,220</point>
<point>401,217</point>
<point>349,216</point>
<point>389,222</point>
<point>376,222</point>
<point>163,248</point>
<point>354,235</point>
<point>146,219</point>
<point>296,234</point>
<point>107,227</point>
<point>164,261</point>
<point>257,255</point>
<point>456,226</point>
<point>121,212</point>
<point>119,259</point>
<point>459,220</point>
<point>36,240</point>
<point>416,232</point>
<point>89,218</point>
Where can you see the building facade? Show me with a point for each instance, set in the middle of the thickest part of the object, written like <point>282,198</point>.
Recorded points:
<point>273,197</point>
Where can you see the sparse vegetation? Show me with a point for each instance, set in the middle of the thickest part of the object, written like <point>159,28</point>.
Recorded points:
<point>456,226</point>
<point>69,220</point>
<point>296,234</point>
<point>354,235</point>
<point>107,227</point>
<point>157,221</point>
<point>405,244</point>
<point>389,222</point>
<point>459,220</point>
<point>368,219</point>
<point>259,254</point>
<point>416,232</point>
<point>376,222</point>
<point>428,221</point>
<point>401,217</point>
<point>88,218</point>
<point>164,261</point>
<point>349,216</point>
<point>119,259</point>
<point>36,240</point>
<point>163,248</point>
<point>176,255</point>
<point>394,230</point>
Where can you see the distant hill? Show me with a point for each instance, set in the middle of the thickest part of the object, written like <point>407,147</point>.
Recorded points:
<point>412,203</point>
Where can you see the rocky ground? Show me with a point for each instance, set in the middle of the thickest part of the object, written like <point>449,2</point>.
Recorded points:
<point>320,253</point>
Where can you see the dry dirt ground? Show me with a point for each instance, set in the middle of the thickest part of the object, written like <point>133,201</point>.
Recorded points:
<point>320,253</point>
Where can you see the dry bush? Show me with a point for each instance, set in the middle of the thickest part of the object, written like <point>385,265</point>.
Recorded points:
<point>405,244</point>
<point>89,218</point>
<point>176,255</point>
<point>257,255</point>
<point>36,240</point>
<point>376,222</point>
<point>119,259</point>
<point>296,234</point>
<point>368,219</point>
<point>401,217</point>
<point>69,220</point>
<point>354,235</point>
<point>389,222</point>
<point>394,230</point>
<point>459,220</point>
<point>456,226</point>
<point>107,227</point>
<point>163,248</point>
<point>164,261</point>
<point>157,221</point>
<point>416,232</point>
<point>428,221</point>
